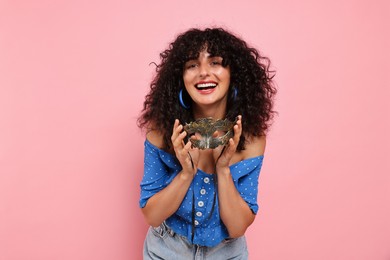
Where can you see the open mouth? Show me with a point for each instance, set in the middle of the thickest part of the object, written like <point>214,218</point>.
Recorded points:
<point>205,86</point>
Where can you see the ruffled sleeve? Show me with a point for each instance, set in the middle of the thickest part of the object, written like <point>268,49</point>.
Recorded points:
<point>160,168</point>
<point>246,179</point>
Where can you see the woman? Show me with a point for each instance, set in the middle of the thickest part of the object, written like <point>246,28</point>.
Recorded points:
<point>199,202</point>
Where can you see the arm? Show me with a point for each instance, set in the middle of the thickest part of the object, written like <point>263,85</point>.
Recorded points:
<point>165,202</point>
<point>235,212</point>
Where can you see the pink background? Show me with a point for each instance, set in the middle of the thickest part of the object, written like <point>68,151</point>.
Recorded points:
<point>73,76</point>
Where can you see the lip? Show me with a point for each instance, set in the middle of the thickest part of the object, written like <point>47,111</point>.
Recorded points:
<point>206,89</point>
<point>206,81</point>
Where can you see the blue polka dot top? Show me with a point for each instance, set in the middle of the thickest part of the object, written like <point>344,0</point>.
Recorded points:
<point>161,167</point>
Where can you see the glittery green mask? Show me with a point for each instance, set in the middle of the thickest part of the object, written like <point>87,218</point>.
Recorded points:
<point>205,128</point>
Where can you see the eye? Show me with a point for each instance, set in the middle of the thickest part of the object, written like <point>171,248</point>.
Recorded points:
<point>216,61</point>
<point>191,65</point>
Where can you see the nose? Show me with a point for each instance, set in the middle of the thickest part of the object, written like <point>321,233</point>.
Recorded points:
<point>203,71</point>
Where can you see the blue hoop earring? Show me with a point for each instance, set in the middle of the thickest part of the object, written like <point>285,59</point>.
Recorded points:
<point>235,92</point>
<point>181,100</point>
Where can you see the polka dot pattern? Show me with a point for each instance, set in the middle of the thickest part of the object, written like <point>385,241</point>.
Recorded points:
<point>161,167</point>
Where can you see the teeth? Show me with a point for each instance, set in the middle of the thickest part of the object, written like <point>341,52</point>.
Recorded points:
<point>206,85</point>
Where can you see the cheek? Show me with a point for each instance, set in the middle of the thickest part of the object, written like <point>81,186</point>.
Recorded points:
<point>187,84</point>
<point>223,74</point>
<point>187,77</point>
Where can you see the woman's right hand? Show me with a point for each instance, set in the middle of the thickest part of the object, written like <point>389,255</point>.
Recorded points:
<point>187,156</point>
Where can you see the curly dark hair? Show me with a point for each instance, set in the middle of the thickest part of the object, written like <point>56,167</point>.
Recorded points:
<point>250,75</point>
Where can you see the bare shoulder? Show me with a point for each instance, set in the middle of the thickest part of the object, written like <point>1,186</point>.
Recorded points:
<point>156,138</point>
<point>254,146</point>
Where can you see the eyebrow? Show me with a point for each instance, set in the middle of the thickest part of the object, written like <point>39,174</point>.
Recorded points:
<point>211,56</point>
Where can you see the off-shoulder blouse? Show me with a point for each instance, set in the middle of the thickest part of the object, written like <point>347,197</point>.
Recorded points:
<point>198,217</point>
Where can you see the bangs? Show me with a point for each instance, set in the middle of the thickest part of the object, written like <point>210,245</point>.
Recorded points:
<point>211,46</point>
<point>216,42</point>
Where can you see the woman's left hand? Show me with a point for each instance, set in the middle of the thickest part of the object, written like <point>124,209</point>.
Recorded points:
<point>223,160</point>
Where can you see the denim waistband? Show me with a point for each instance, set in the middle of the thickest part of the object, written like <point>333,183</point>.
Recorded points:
<point>164,228</point>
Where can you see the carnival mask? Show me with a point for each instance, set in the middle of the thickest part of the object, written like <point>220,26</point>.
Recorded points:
<point>204,129</point>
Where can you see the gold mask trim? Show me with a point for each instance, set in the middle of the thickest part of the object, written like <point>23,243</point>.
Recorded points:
<point>206,127</point>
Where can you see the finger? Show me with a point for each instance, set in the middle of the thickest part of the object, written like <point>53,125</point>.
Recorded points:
<point>191,160</point>
<point>230,148</point>
<point>239,121</point>
<point>179,141</point>
<point>188,152</point>
<point>187,147</point>
<point>194,156</point>
<point>237,133</point>
<point>182,149</point>
<point>174,130</point>
<point>237,129</point>
<point>178,137</point>
<point>218,149</point>
<point>194,138</point>
<point>233,142</point>
<point>176,123</point>
<point>177,127</point>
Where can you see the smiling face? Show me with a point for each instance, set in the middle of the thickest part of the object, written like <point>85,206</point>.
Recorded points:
<point>207,81</point>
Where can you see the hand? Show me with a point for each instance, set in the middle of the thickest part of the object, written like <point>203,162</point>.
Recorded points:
<point>223,155</point>
<point>187,156</point>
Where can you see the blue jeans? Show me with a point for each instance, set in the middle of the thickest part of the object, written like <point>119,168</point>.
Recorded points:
<point>162,243</point>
